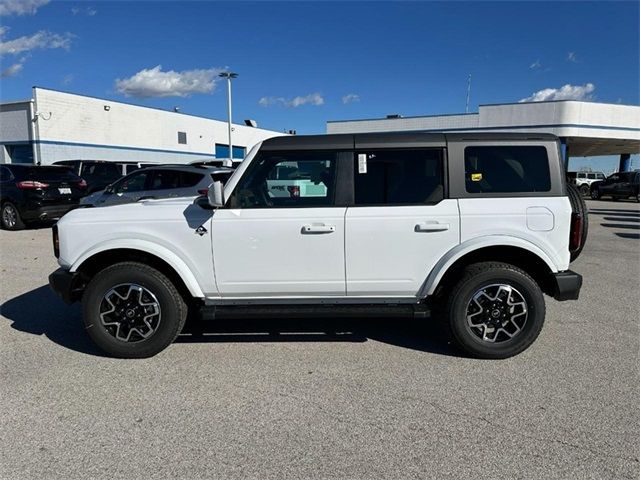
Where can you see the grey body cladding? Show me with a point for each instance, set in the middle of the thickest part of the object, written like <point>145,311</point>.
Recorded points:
<point>453,145</point>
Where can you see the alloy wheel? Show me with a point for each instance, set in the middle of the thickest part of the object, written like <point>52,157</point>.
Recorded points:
<point>9,216</point>
<point>130,313</point>
<point>497,313</point>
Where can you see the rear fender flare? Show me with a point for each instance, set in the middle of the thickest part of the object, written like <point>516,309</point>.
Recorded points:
<point>433,279</point>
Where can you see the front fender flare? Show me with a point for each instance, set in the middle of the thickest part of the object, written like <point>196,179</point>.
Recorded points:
<point>469,246</point>
<point>152,248</point>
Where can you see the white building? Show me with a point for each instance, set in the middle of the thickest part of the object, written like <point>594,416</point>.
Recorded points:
<point>584,128</point>
<point>56,126</point>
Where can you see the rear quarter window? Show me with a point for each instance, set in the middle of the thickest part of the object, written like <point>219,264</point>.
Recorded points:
<point>506,169</point>
<point>190,179</point>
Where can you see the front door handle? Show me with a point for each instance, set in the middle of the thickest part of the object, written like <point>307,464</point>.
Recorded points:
<point>318,228</point>
<point>431,227</point>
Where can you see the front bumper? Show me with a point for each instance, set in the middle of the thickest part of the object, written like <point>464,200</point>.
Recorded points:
<point>566,285</point>
<point>66,285</point>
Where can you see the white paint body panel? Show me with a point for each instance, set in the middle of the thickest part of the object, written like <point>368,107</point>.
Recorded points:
<point>164,228</point>
<point>386,255</point>
<point>264,252</point>
<point>507,217</point>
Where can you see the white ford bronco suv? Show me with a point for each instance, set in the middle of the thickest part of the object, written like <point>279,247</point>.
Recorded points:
<point>472,228</point>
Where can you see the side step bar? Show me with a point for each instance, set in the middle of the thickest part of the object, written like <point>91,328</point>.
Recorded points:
<point>211,312</point>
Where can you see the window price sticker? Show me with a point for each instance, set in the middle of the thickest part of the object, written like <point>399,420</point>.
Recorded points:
<point>362,163</point>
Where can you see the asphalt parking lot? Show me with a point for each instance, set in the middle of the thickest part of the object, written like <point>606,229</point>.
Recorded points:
<point>273,398</point>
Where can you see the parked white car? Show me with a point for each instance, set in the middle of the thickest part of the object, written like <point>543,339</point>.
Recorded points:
<point>473,227</point>
<point>584,180</point>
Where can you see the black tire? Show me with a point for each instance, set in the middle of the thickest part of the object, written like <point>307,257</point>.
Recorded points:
<point>578,206</point>
<point>584,190</point>
<point>10,217</point>
<point>171,317</point>
<point>475,278</point>
<point>595,193</point>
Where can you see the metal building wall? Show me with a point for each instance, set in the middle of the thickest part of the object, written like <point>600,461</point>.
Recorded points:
<point>70,126</point>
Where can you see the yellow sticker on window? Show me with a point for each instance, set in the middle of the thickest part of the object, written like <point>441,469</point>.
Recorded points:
<point>476,177</point>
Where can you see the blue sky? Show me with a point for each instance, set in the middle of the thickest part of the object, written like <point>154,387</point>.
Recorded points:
<point>303,63</point>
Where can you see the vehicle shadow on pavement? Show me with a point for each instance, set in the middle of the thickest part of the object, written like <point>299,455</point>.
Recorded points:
<point>426,335</point>
<point>633,236</point>
<point>41,312</point>
<point>613,211</point>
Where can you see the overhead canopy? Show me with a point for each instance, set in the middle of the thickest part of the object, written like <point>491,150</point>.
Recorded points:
<point>593,147</point>
<point>588,128</point>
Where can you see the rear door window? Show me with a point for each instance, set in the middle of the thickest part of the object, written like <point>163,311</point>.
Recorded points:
<point>133,183</point>
<point>398,177</point>
<point>506,169</point>
<point>165,180</point>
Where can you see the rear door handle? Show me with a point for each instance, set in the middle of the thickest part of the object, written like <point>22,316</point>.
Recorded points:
<point>315,228</point>
<point>431,227</point>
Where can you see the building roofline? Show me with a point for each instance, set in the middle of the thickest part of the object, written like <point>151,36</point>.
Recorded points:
<point>403,118</point>
<point>556,101</point>
<point>478,113</point>
<point>141,106</point>
<point>16,102</point>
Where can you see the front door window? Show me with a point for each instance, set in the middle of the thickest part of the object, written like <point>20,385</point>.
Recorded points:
<point>287,180</point>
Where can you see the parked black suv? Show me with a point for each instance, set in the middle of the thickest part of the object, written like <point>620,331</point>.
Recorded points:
<point>618,185</point>
<point>29,193</point>
<point>97,173</point>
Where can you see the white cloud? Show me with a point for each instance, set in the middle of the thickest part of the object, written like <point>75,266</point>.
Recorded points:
<point>67,79</point>
<point>571,57</point>
<point>153,82</point>
<point>350,98</point>
<point>566,92</point>
<point>535,65</point>
<point>89,11</point>
<point>38,41</point>
<point>13,70</point>
<point>311,99</point>
<point>20,7</point>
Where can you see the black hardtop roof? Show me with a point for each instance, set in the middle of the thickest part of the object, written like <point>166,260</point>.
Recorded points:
<point>379,140</point>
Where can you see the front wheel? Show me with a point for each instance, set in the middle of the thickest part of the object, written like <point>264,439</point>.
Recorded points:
<point>595,194</point>
<point>495,310</point>
<point>132,310</point>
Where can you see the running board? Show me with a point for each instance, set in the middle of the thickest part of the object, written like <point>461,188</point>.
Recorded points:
<point>211,312</point>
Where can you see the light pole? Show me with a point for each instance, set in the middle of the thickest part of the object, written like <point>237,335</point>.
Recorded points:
<point>229,76</point>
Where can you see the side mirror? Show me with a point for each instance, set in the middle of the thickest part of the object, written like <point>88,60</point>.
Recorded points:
<point>215,194</point>
<point>108,189</point>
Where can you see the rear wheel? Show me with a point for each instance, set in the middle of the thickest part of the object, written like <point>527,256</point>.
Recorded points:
<point>584,190</point>
<point>132,310</point>
<point>578,206</point>
<point>10,217</point>
<point>495,310</point>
